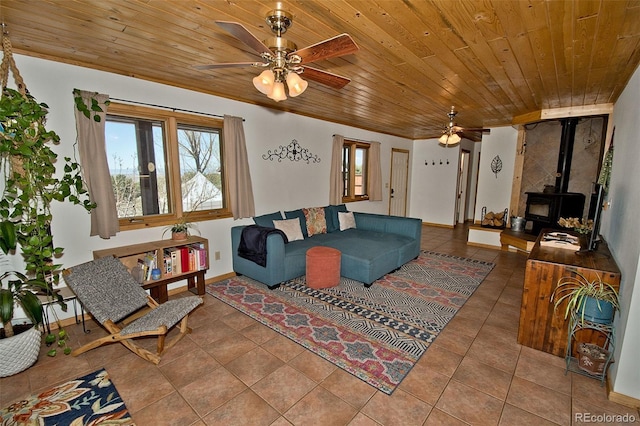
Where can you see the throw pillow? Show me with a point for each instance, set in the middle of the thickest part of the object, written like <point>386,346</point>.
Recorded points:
<point>300,215</point>
<point>290,227</point>
<point>267,219</point>
<point>316,222</point>
<point>347,221</point>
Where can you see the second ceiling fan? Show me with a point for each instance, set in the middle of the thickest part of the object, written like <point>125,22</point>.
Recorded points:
<point>283,62</point>
<point>450,133</point>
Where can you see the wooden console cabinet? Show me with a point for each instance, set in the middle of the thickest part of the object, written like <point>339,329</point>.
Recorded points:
<point>132,254</point>
<point>541,327</point>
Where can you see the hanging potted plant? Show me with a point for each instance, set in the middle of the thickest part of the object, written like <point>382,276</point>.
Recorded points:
<point>31,185</point>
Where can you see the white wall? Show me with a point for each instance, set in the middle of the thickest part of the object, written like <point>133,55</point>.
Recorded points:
<point>277,185</point>
<point>433,190</point>
<point>494,190</point>
<point>620,229</point>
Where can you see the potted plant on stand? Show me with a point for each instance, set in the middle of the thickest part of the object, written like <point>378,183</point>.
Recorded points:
<point>18,291</point>
<point>180,229</point>
<point>592,300</point>
<point>30,186</point>
<point>591,304</point>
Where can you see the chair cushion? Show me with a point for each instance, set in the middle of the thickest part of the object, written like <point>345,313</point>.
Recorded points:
<point>168,314</point>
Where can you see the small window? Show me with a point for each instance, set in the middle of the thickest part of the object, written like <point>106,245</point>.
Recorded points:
<point>355,160</point>
<point>164,166</point>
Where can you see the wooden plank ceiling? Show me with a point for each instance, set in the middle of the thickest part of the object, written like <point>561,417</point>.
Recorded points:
<point>493,59</point>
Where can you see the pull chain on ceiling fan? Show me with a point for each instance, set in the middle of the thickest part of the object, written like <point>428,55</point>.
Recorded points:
<point>283,61</point>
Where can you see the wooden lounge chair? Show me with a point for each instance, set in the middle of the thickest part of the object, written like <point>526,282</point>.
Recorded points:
<point>112,296</point>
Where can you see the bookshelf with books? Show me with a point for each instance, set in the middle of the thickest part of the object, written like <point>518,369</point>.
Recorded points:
<point>176,261</point>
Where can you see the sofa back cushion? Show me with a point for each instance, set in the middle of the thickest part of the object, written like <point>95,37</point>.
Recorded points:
<point>331,216</point>
<point>267,219</point>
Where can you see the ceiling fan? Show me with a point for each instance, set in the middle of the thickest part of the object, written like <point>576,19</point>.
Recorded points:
<point>283,61</point>
<point>450,132</point>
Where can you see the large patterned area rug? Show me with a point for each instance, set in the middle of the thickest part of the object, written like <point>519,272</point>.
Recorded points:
<point>376,333</point>
<point>89,400</point>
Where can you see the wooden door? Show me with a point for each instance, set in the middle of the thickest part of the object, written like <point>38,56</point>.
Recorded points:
<point>399,182</point>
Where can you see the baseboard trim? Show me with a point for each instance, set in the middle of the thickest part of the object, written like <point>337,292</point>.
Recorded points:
<point>489,246</point>
<point>622,399</point>
<point>437,225</point>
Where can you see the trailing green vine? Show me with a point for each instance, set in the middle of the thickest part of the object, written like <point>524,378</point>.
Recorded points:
<point>89,112</point>
<point>31,184</point>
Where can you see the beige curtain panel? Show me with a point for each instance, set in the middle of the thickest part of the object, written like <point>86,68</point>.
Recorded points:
<point>335,178</point>
<point>375,173</point>
<point>236,165</point>
<point>95,167</point>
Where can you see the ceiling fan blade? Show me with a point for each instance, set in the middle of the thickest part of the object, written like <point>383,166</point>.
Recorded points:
<point>229,65</point>
<point>459,129</point>
<point>323,77</point>
<point>339,45</point>
<point>244,35</point>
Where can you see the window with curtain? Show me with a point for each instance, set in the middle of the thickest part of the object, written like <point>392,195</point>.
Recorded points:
<point>165,165</point>
<point>355,171</point>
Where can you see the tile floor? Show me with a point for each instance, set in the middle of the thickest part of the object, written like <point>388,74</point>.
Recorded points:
<point>234,371</point>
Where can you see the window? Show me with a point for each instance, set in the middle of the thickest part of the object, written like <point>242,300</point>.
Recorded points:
<point>355,158</point>
<point>164,165</point>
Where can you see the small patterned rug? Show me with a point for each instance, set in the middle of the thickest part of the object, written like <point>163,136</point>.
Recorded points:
<point>376,333</point>
<point>89,400</point>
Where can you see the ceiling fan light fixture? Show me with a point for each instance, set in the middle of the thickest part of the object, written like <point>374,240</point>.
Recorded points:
<point>264,82</point>
<point>449,139</point>
<point>296,84</point>
<point>278,92</point>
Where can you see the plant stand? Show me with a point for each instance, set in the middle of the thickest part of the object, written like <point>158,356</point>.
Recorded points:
<point>572,363</point>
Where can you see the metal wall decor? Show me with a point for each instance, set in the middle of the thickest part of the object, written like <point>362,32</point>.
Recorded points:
<point>496,165</point>
<point>293,151</point>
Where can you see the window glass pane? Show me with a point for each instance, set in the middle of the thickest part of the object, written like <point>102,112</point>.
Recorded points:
<point>200,168</point>
<point>136,158</point>
<point>345,170</point>
<point>360,172</point>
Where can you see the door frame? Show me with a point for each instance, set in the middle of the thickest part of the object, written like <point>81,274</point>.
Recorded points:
<point>462,187</point>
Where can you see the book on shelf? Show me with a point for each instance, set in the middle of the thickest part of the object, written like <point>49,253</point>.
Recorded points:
<point>560,240</point>
<point>199,256</point>
<point>167,262</point>
<point>147,264</point>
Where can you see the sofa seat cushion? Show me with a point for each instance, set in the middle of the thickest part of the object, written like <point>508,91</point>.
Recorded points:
<point>366,255</point>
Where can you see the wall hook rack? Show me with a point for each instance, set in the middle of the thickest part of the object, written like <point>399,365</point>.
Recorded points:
<point>433,162</point>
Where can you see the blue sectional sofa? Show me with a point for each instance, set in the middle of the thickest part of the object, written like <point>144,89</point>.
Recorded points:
<point>378,244</point>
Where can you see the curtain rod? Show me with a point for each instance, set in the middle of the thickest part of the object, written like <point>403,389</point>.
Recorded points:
<point>354,139</point>
<point>167,107</point>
